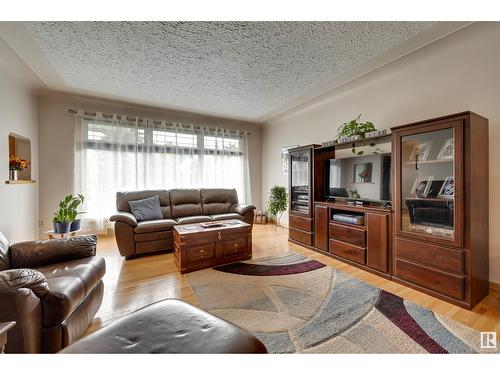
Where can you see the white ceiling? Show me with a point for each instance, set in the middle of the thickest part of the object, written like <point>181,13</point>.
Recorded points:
<point>234,69</point>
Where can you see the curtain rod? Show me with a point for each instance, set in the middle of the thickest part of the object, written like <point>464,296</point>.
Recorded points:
<point>140,119</point>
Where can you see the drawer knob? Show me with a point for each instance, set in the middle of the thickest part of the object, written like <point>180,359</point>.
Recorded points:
<point>202,250</point>
<point>235,245</point>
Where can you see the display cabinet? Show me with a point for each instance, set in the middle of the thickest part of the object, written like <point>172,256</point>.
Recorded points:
<point>300,207</point>
<point>441,207</point>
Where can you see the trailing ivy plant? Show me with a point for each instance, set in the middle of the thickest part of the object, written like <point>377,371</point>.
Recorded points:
<point>353,128</point>
<point>278,201</point>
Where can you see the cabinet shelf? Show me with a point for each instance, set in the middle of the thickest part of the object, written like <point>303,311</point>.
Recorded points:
<point>19,182</point>
<point>435,161</point>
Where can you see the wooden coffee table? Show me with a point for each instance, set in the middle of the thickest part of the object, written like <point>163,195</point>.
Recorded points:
<point>197,246</point>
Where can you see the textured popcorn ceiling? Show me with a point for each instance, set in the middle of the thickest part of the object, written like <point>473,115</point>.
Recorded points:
<point>236,69</point>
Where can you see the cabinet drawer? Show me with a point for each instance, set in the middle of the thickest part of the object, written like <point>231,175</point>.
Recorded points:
<point>445,283</point>
<point>431,255</point>
<point>200,253</point>
<point>302,223</point>
<point>344,233</point>
<point>234,247</point>
<point>354,253</point>
<point>300,236</point>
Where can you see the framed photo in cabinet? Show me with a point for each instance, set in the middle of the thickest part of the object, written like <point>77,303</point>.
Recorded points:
<point>448,188</point>
<point>447,151</point>
<point>422,185</point>
<point>421,151</point>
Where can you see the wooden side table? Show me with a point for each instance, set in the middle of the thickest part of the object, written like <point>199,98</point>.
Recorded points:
<point>53,235</point>
<point>4,328</point>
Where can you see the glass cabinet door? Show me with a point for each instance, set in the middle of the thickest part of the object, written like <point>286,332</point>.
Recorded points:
<point>300,179</point>
<point>428,177</point>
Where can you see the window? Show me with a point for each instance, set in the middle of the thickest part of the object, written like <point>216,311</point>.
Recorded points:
<point>116,156</point>
<point>219,143</point>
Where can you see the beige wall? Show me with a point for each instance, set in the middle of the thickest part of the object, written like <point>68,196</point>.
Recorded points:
<point>457,73</point>
<point>18,203</point>
<point>56,136</point>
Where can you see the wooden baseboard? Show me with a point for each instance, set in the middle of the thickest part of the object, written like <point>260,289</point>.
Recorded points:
<point>494,287</point>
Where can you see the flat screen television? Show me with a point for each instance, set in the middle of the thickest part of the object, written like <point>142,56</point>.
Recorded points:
<point>364,177</point>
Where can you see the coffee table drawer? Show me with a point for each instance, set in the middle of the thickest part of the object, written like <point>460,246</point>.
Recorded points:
<point>202,252</point>
<point>234,247</point>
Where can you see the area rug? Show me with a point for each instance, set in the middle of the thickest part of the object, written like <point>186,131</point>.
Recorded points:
<point>294,304</point>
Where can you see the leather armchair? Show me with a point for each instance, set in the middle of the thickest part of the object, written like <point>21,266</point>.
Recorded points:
<point>52,289</point>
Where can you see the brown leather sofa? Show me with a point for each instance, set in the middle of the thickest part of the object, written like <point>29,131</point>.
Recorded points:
<point>52,289</point>
<point>179,206</point>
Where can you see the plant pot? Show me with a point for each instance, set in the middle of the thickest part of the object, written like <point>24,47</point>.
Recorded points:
<point>13,174</point>
<point>75,225</point>
<point>62,227</point>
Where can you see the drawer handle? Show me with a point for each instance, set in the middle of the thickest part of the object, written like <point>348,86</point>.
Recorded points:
<point>220,237</point>
<point>235,245</point>
<point>202,250</point>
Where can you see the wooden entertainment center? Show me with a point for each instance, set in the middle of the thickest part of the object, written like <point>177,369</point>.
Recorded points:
<point>432,232</point>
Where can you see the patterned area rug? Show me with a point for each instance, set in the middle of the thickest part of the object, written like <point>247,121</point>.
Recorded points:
<point>295,304</point>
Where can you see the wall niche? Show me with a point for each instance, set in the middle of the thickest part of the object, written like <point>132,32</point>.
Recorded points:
<point>20,147</point>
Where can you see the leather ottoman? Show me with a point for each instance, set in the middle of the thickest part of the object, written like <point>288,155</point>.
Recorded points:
<point>168,326</point>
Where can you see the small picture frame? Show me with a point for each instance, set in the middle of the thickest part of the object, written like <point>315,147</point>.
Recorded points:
<point>422,185</point>
<point>447,150</point>
<point>421,151</point>
<point>362,173</point>
<point>448,188</point>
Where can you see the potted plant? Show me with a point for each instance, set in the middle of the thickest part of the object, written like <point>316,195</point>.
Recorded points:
<point>278,200</point>
<point>62,219</point>
<point>15,165</point>
<point>65,218</point>
<point>73,212</point>
<point>354,130</point>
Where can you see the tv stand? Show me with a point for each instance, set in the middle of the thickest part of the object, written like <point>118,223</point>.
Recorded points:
<point>364,242</point>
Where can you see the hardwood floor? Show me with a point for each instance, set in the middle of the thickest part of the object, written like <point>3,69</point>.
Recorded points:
<point>132,284</point>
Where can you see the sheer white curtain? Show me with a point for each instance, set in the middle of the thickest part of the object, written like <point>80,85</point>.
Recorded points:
<point>115,153</point>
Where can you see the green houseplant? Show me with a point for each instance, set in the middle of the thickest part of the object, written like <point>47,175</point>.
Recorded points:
<point>73,206</point>
<point>354,128</point>
<point>65,216</point>
<point>278,201</point>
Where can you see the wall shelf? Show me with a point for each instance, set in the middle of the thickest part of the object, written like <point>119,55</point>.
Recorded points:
<point>19,182</point>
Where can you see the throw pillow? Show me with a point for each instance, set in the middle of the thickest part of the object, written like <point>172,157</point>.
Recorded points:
<point>146,209</point>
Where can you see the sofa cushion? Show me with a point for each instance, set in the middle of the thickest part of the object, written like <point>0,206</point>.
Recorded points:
<point>18,278</point>
<point>4,253</point>
<point>150,226</point>
<point>69,284</point>
<point>32,254</point>
<point>218,201</point>
<point>123,197</point>
<point>194,219</point>
<point>228,216</point>
<point>146,209</point>
<point>185,202</point>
